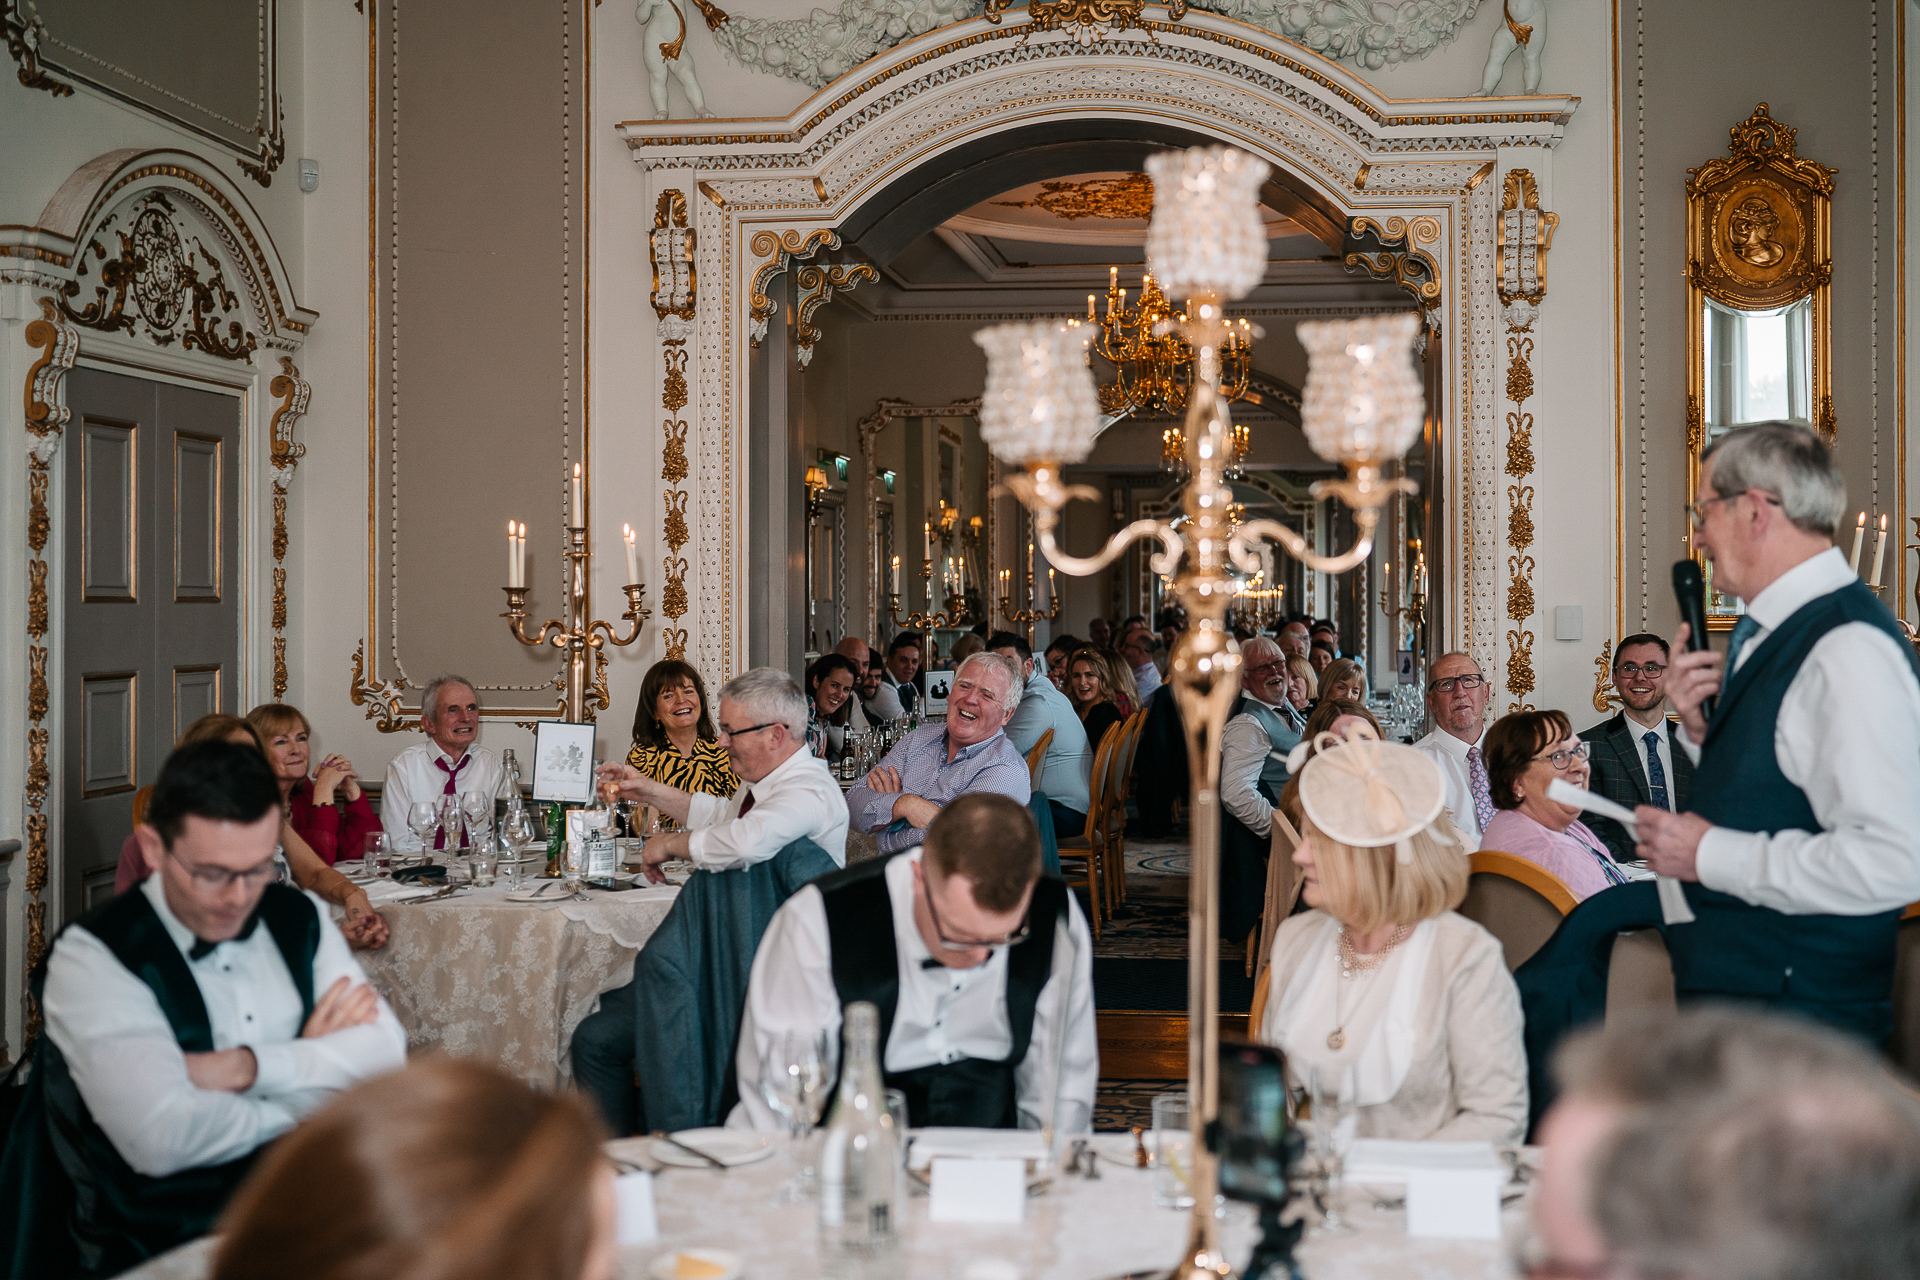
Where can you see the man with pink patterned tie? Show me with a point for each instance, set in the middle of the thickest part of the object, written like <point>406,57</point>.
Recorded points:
<point>448,763</point>
<point>1457,696</point>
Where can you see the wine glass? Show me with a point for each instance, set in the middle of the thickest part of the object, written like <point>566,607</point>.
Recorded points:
<point>379,856</point>
<point>422,817</point>
<point>477,808</point>
<point>518,833</point>
<point>794,1077</point>
<point>1332,1092</point>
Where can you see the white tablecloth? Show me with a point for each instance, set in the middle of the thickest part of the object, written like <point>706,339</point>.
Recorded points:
<point>1078,1230</point>
<point>477,976</point>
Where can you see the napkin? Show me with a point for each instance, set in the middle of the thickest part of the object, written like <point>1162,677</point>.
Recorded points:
<point>1373,1160</point>
<point>978,1144</point>
<point>387,891</point>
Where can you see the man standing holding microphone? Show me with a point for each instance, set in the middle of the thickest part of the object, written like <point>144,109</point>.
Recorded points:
<point>1803,841</point>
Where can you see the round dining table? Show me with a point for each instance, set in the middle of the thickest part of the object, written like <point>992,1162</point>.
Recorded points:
<point>478,975</point>
<point>1077,1229</point>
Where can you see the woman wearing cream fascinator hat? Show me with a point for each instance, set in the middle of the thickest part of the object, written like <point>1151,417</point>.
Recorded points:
<point>1381,977</point>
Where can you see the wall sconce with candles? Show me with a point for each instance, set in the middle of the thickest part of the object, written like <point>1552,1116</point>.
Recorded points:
<point>1363,408</point>
<point>575,634</point>
<point>1032,612</point>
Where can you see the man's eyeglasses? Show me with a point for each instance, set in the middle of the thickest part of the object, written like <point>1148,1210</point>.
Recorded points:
<point>1562,759</point>
<point>1268,668</point>
<point>216,879</point>
<point>1697,511</point>
<point>953,944</point>
<point>725,732</point>
<point>1448,685</point>
<point>1631,669</point>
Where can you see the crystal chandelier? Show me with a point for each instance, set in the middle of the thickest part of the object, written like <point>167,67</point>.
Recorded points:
<point>1152,362</point>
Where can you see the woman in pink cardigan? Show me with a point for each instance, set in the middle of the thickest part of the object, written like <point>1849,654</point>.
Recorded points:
<point>335,832</point>
<point>1524,753</point>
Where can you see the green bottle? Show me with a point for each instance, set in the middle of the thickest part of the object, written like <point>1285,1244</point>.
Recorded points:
<point>556,839</point>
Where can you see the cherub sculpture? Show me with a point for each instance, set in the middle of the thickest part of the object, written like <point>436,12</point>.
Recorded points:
<point>666,54</point>
<point>1525,29</point>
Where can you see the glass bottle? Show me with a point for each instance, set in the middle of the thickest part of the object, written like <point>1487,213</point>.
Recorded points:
<point>509,782</point>
<point>859,1183</point>
<point>556,839</point>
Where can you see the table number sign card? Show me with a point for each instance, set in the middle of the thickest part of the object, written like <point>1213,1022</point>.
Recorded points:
<point>633,1198</point>
<point>966,1190</point>
<point>563,762</point>
<point>1454,1204</point>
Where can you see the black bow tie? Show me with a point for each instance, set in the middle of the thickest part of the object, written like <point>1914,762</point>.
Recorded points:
<point>202,947</point>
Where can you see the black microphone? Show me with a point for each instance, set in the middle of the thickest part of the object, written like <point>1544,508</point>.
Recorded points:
<point>1690,591</point>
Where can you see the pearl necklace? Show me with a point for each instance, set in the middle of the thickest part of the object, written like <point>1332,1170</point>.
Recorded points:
<point>1352,965</point>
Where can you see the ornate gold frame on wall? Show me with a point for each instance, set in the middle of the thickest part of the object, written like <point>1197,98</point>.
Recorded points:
<point>1759,236</point>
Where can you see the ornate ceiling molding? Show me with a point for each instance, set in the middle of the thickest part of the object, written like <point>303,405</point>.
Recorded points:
<point>817,286</point>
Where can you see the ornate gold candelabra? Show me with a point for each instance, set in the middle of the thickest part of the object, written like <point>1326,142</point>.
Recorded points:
<point>576,635</point>
<point>1362,409</point>
<point>1032,613</point>
<point>924,621</point>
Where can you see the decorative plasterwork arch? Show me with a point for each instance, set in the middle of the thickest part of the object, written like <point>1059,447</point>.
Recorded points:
<point>771,187</point>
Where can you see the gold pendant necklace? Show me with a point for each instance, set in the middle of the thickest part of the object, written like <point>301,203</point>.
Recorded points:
<point>1351,964</point>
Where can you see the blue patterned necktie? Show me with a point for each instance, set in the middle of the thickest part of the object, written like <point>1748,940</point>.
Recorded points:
<point>1656,772</point>
<point>1479,785</point>
<point>1742,632</point>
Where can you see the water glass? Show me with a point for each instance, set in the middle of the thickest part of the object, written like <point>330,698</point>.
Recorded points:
<point>1172,1151</point>
<point>379,856</point>
<point>517,836</point>
<point>482,864</point>
<point>1332,1091</point>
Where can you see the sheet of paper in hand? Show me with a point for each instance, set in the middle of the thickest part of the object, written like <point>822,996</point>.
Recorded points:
<point>1673,899</point>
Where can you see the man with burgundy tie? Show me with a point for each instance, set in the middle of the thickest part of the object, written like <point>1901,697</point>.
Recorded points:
<point>1457,696</point>
<point>1635,760</point>
<point>448,763</point>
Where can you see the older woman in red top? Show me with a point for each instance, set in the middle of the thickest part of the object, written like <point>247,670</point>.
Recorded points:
<point>334,831</point>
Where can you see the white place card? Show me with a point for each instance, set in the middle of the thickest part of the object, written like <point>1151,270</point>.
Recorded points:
<point>1454,1204</point>
<point>978,1190</point>
<point>633,1198</point>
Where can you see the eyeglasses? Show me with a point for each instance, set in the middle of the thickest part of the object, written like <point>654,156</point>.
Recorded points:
<point>1653,669</point>
<point>216,879</point>
<point>952,944</point>
<point>1268,668</point>
<point>1448,685</point>
<point>1697,511</point>
<point>1562,759</point>
<point>725,732</point>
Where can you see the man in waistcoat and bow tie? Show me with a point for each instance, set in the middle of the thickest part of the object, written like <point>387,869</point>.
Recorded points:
<point>982,969</point>
<point>451,762</point>
<point>1800,848</point>
<point>189,1021</point>
<point>1261,729</point>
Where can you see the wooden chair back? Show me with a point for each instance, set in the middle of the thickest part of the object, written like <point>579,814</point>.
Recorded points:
<point>1904,1046</point>
<point>1517,901</point>
<point>1037,758</point>
<point>1089,844</point>
<point>1126,739</point>
<point>1259,1010</point>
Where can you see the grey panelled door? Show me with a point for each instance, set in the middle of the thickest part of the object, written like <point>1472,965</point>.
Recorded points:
<point>151,602</point>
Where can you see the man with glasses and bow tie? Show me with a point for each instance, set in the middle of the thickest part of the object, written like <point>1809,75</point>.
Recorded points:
<point>1800,849</point>
<point>982,969</point>
<point>1457,696</point>
<point>451,762</point>
<point>1634,760</point>
<point>189,1022</point>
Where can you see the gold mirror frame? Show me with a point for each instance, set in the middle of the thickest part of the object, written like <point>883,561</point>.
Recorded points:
<point>1759,237</point>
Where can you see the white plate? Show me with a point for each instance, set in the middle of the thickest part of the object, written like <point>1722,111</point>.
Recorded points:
<point>666,1266</point>
<point>731,1147</point>
<point>547,891</point>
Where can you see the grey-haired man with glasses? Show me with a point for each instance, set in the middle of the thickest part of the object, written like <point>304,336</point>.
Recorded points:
<point>190,1021</point>
<point>1635,761</point>
<point>981,966</point>
<point>1457,696</point>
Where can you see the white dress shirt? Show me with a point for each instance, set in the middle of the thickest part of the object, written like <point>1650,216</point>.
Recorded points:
<point>1147,676</point>
<point>132,1073</point>
<point>413,777</point>
<point>943,1014</point>
<point>1451,755</point>
<point>884,705</point>
<point>1244,748</point>
<point>1663,745</point>
<point>797,798</point>
<point>1849,736</point>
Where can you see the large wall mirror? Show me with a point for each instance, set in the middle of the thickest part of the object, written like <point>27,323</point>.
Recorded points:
<point>1759,272</point>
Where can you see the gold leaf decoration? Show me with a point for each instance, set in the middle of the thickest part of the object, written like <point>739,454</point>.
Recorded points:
<point>379,697</point>
<point>673,458</point>
<point>37,774</point>
<point>36,598</point>
<point>36,852</point>
<point>1128,197</point>
<point>1520,604</point>
<point>1605,696</point>
<point>36,683</point>
<point>676,519</point>
<point>38,525</point>
<point>279,667</point>
<point>279,525</point>
<point>1520,518</point>
<point>1520,663</point>
<point>1520,445</point>
<point>676,642</point>
<point>1519,379</point>
<point>279,599</point>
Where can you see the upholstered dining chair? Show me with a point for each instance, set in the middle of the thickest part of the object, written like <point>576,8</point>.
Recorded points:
<point>1037,759</point>
<point>1517,901</point>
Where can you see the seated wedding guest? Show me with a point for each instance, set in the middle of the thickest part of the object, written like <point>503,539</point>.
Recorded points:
<point>1294,641</point>
<point>1323,633</point>
<point>1382,978</point>
<point>1320,658</point>
<point>1126,690</point>
<point>1092,695</point>
<point>1726,1144</point>
<point>1635,760</point>
<point>983,973</point>
<point>1136,646</point>
<point>309,801</point>
<point>963,648</point>
<point>878,702</point>
<point>1066,774</point>
<point>1171,621</point>
<point>830,701</point>
<point>787,794</point>
<point>364,927</point>
<point>449,763</point>
<point>1059,655</point>
<point>180,1036</point>
<point>1262,729</point>
<point>1303,685</point>
<point>902,665</point>
<point>1100,633</point>
<point>673,738</point>
<point>1526,751</point>
<point>1457,696</point>
<point>1337,717</point>
<point>939,762</point>
<point>1343,679</point>
<point>396,1179</point>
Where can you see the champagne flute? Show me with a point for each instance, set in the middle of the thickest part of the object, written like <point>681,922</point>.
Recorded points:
<point>450,823</point>
<point>794,1078</point>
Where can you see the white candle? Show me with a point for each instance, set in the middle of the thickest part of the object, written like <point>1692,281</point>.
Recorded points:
<point>521,574</point>
<point>896,575</point>
<point>1859,532</point>
<point>926,543</point>
<point>513,558</point>
<point>577,511</point>
<point>633,555</point>
<point>1879,552</point>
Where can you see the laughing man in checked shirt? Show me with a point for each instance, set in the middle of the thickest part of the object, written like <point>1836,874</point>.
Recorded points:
<point>938,762</point>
